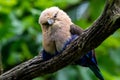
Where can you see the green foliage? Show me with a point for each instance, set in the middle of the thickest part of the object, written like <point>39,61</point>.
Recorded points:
<point>21,38</point>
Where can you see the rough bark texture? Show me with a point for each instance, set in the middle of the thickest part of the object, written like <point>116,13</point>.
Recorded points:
<point>103,27</point>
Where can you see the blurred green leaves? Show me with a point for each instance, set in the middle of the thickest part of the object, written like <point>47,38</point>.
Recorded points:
<point>21,38</point>
<point>6,6</point>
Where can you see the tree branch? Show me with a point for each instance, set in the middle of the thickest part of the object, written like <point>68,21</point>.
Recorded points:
<point>91,38</point>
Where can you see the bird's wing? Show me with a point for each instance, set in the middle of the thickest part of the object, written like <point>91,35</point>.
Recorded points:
<point>88,60</point>
<point>75,30</point>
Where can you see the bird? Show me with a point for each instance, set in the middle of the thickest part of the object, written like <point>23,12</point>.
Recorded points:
<point>58,32</point>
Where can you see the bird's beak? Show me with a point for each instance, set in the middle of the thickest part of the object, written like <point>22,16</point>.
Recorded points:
<point>50,21</point>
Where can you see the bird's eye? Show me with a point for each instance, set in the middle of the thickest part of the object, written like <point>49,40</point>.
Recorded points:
<point>55,15</point>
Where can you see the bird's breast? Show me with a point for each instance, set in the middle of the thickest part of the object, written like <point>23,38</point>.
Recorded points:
<point>55,40</point>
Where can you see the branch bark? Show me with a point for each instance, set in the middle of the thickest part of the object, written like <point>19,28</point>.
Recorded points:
<point>91,38</point>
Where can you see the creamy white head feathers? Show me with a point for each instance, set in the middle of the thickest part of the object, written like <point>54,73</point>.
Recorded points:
<point>54,12</point>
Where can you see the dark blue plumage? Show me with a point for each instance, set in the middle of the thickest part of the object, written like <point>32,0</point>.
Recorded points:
<point>87,60</point>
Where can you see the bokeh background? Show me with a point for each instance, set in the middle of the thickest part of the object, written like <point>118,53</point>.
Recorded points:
<point>20,36</point>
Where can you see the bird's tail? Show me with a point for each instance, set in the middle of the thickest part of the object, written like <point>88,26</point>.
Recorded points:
<point>90,61</point>
<point>96,71</point>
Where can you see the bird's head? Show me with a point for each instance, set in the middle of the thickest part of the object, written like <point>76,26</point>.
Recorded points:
<point>52,15</point>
